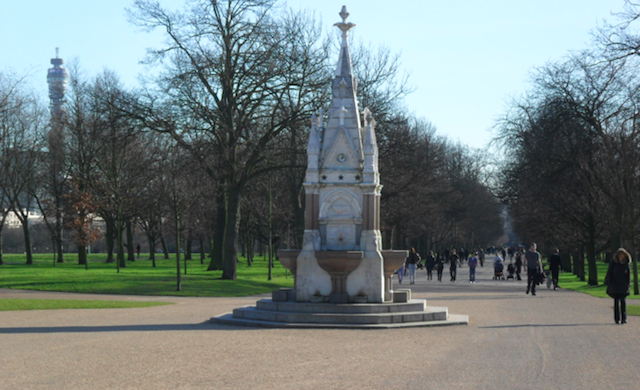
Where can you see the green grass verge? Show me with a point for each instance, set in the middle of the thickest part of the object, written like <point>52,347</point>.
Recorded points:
<point>49,304</point>
<point>138,278</point>
<point>569,281</point>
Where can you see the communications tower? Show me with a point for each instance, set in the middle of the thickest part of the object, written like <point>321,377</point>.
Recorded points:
<point>57,78</point>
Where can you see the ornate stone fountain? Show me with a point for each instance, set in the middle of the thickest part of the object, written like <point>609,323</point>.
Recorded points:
<point>342,275</point>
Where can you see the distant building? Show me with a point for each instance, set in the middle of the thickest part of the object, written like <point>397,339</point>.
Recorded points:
<point>33,217</point>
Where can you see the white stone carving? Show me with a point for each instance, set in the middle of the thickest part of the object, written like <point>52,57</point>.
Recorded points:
<point>345,201</point>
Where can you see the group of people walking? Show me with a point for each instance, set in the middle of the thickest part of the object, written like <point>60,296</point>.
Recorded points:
<point>617,279</point>
<point>437,263</point>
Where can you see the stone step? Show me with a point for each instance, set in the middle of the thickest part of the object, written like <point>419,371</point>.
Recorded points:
<point>429,314</point>
<point>415,305</point>
<point>228,319</point>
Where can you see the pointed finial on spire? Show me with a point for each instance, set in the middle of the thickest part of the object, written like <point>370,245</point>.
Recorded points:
<point>344,26</point>
<point>344,14</point>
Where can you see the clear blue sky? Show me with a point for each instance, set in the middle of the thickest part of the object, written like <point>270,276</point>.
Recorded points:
<point>467,58</point>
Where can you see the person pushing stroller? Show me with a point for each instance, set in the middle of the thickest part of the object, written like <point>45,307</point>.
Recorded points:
<point>498,268</point>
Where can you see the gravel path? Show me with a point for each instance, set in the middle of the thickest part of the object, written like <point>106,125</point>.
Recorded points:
<point>556,340</point>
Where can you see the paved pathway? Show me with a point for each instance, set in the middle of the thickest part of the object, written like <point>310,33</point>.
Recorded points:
<point>556,340</point>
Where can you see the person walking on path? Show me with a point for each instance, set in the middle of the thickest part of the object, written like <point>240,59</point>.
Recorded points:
<point>473,263</point>
<point>481,257</point>
<point>618,279</point>
<point>412,262</point>
<point>453,265</point>
<point>518,265</point>
<point>430,263</point>
<point>439,266</point>
<point>400,273</point>
<point>555,265</point>
<point>534,268</point>
<point>138,251</point>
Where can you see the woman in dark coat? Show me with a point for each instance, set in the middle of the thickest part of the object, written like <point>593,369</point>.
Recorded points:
<point>439,266</point>
<point>618,280</point>
<point>518,265</point>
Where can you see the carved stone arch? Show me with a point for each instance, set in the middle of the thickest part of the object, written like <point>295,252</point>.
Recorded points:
<point>340,204</point>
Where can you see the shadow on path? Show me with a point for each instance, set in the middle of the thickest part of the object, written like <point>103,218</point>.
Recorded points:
<point>542,325</point>
<point>116,328</point>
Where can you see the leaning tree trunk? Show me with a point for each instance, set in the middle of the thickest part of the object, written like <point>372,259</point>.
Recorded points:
<point>164,247</point>
<point>27,241</point>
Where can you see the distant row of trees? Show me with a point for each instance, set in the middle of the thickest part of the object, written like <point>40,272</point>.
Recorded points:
<point>212,147</point>
<point>572,173</point>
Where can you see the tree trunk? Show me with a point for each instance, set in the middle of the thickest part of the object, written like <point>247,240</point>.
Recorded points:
<point>27,241</point>
<point>164,247</point>
<point>591,253</point>
<point>187,250</point>
<point>120,245</point>
<point>201,244</point>
<point>566,262</point>
<point>82,255</point>
<point>217,251</point>
<point>232,211</point>
<point>58,238</point>
<point>178,277</point>
<point>576,270</point>
<point>131,256</point>
<point>634,266</point>
<point>152,250</point>
<point>250,250</point>
<point>109,240</point>
<point>1,243</point>
<point>270,223</point>
<point>581,264</point>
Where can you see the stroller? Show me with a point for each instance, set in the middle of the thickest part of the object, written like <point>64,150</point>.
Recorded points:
<point>498,269</point>
<point>511,270</point>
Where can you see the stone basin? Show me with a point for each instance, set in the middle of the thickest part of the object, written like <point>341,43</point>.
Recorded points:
<point>392,261</point>
<point>339,261</point>
<point>289,259</point>
<point>339,264</point>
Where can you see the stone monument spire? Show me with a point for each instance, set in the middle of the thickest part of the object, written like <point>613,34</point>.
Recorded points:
<point>341,257</point>
<point>342,138</point>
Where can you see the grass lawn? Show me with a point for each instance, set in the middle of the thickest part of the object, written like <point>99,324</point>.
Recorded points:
<point>569,281</point>
<point>138,278</point>
<point>633,310</point>
<point>47,304</point>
